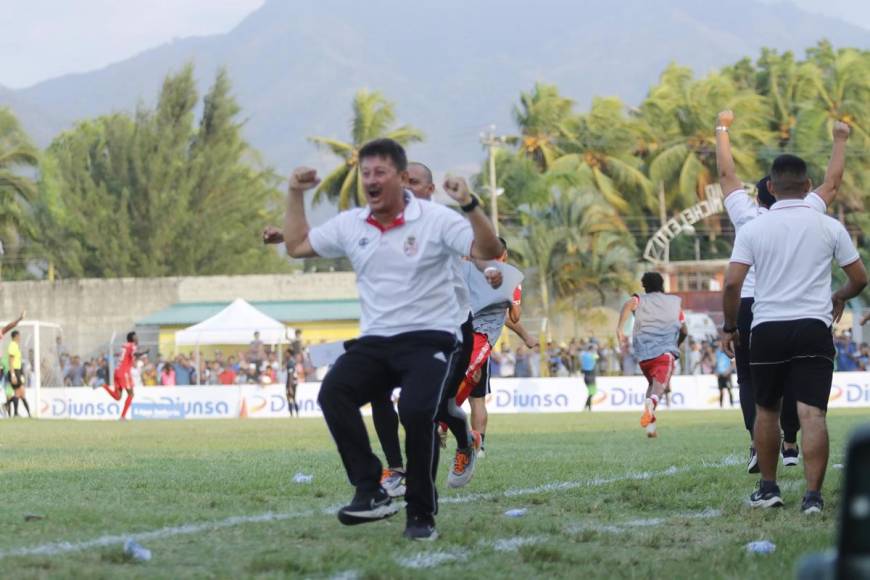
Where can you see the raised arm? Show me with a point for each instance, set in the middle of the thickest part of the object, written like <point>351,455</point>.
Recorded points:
<point>724,159</point>
<point>836,166</point>
<point>486,244</point>
<point>11,325</point>
<point>295,223</point>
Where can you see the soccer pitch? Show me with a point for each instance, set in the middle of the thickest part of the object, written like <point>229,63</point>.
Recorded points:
<point>218,499</point>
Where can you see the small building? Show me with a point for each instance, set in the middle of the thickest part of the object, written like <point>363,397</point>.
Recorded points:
<point>319,321</point>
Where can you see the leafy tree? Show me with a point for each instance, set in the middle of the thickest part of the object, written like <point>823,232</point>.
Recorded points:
<point>155,195</point>
<point>544,118</point>
<point>18,159</point>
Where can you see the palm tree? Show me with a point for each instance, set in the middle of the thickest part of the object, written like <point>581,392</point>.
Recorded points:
<point>598,155</point>
<point>373,118</point>
<point>678,116</point>
<point>575,243</point>
<point>17,190</point>
<point>543,117</point>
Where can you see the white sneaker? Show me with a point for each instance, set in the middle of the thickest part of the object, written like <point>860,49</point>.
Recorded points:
<point>393,482</point>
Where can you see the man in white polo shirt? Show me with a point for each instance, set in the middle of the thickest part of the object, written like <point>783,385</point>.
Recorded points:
<point>400,248</point>
<point>791,347</point>
<point>741,210</point>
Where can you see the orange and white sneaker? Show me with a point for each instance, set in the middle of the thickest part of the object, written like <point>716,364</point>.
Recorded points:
<point>464,463</point>
<point>651,430</point>
<point>393,482</point>
<point>649,413</point>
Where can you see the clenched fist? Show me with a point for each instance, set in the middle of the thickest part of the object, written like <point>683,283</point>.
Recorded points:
<point>302,179</point>
<point>725,118</point>
<point>457,189</point>
<point>841,130</point>
<point>272,235</point>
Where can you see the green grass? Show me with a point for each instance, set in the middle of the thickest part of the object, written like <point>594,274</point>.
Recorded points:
<point>90,480</point>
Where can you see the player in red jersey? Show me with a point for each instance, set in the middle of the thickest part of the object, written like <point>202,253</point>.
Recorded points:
<point>123,375</point>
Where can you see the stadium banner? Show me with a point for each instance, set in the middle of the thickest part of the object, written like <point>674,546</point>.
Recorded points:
<point>536,395</point>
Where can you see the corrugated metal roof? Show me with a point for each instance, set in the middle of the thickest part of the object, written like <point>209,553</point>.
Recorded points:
<point>288,311</point>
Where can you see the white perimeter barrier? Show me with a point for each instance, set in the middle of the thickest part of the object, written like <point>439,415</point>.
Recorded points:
<point>543,395</point>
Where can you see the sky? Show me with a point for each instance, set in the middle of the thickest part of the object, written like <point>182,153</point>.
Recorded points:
<point>44,39</point>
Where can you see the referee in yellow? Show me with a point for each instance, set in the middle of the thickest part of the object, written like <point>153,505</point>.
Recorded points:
<point>15,378</point>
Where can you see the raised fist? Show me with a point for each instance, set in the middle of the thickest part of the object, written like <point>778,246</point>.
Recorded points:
<point>841,130</point>
<point>457,189</point>
<point>303,178</point>
<point>725,118</point>
<point>272,235</point>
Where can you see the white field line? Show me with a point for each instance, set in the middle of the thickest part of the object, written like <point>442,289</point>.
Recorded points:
<point>57,548</point>
<point>422,560</point>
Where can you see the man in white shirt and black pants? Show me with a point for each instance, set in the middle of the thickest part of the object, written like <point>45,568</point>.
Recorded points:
<point>791,348</point>
<point>401,249</point>
<point>741,210</point>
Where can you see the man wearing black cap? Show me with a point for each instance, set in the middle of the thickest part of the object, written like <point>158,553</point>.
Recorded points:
<point>742,210</point>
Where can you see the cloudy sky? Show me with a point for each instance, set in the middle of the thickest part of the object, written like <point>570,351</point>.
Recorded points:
<point>43,39</point>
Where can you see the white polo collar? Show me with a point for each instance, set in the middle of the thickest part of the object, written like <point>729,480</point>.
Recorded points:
<point>788,204</point>
<point>412,211</point>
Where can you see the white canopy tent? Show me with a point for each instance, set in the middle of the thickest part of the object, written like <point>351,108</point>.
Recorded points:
<point>235,324</point>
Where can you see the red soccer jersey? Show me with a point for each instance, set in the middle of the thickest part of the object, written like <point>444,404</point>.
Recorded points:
<point>127,353</point>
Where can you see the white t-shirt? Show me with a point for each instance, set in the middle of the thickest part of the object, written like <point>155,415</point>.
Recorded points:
<point>404,272</point>
<point>742,209</point>
<point>792,246</point>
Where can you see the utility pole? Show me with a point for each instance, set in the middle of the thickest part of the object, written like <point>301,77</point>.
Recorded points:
<point>490,140</point>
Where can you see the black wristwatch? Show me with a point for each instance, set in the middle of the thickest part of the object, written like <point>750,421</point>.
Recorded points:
<point>729,329</point>
<point>471,204</point>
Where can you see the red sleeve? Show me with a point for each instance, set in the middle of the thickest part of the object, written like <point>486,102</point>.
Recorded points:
<point>518,295</point>
<point>682,317</point>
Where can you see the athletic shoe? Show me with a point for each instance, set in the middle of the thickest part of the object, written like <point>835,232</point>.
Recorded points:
<point>752,465</point>
<point>482,453</point>
<point>766,496</point>
<point>421,528</point>
<point>651,432</point>
<point>393,482</point>
<point>464,463</point>
<point>367,507</point>
<point>649,413</point>
<point>812,503</point>
<point>789,456</point>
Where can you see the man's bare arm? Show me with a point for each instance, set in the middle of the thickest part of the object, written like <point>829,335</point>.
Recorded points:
<point>520,330</point>
<point>857,281</point>
<point>836,166</point>
<point>734,277</point>
<point>295,223</point>
<point>11,325</point>
<point>724,159</point>
<point>486,244</point>
<point>627,309</point>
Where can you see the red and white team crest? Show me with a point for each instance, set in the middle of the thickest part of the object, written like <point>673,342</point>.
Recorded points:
<point>410,246</point>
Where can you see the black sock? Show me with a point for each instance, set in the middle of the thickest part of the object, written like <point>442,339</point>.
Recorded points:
<point>26,406</point>
<point>768,485</point>
<point>15,404</point>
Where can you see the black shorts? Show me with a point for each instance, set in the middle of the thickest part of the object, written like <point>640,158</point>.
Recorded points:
<point>482,388</point>
<point>589,377</point>
<point>795,356</point>
<point>724,382</point>
<point>18,379</point>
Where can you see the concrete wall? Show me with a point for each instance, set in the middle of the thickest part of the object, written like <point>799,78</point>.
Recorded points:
<point>90,310</point>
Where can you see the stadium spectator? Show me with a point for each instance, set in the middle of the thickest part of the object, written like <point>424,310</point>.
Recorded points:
<point>847,360</point>
<point>693,359</point>
<point>75,374</point>
<point>167,375</point>
<point>522,365</point>
<point>149,375</point>
<point>535,361</point>
<point>227,376</point>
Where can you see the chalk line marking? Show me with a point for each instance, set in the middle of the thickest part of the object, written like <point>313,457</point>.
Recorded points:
<point>58,548</point>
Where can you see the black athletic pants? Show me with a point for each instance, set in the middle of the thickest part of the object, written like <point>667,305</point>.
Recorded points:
<point>789,418</point>
<point>420,362</point>
<point>386,419</point>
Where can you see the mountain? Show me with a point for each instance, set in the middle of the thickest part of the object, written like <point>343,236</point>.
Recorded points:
<point>452,67</point>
